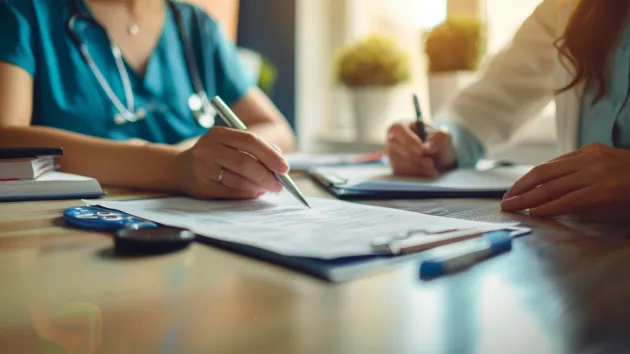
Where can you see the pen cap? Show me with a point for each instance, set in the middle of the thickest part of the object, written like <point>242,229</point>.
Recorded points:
<point>432,269</point>
<point>500,241</point>
<point>496,242</point>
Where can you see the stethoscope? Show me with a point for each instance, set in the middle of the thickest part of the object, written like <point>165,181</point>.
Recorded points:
<point>197,102</point>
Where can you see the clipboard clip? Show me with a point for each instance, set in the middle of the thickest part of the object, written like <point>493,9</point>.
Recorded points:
<point>331,179</point>
<point>414,241</point>
<point>383,242</point>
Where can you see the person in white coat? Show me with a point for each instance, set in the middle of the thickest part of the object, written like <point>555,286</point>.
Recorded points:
<point>576,52</point>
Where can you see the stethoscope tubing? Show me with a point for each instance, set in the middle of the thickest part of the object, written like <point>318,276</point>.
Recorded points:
<point>128,112</point>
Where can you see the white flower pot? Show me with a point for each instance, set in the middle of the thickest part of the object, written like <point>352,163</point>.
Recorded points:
<point>443,86</point>
<point>371,106</point>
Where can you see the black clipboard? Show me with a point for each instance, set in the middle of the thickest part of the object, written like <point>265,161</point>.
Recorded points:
<point>338,270</point>
<point>334,185</point>
<point>335,271</point>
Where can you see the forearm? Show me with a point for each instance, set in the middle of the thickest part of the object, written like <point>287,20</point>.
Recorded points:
<point>278,134</point>
<point>113,163</point>
<point>468,148</point>
<point>262,117</point>
<point>273,133</point>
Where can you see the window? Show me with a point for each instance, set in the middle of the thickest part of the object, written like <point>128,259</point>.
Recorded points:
<point>324,108</point>
<point>503,20</point>
<point>324,25</point>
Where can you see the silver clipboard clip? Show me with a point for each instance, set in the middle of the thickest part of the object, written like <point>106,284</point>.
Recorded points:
<point>419,240</point>
<point>331,179</point>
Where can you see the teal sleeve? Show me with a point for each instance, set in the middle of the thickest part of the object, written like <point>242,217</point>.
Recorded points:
<point>233,77</point>
<point>16,38</point>
<point>468,148</point>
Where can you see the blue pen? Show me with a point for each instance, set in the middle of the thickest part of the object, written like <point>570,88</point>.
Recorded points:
<point>462,255</point>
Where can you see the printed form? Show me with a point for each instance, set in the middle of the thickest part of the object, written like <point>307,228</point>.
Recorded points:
<point>277,223</point>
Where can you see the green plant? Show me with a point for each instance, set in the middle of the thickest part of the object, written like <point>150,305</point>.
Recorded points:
<point>454,45</point>
<point>268,75</point>
<point>375,60</point>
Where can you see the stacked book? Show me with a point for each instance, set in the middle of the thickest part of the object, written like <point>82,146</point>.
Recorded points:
<point>31,174</point>
<point>22,169</point>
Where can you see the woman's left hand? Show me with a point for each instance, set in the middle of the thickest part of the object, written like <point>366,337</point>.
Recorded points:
<point>590,179</point>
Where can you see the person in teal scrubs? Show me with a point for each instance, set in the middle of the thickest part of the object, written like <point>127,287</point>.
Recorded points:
<point>128,122</point>
<point>584,65</point>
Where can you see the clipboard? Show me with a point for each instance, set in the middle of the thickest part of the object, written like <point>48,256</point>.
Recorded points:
<point>301,163</point>
<point>334,184</point>
<point>404,238</point>
<point>338,270</point>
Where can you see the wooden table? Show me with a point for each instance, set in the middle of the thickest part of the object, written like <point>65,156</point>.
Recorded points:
<point>564,289</point>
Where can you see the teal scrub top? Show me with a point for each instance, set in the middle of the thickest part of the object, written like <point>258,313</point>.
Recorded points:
<point>68,96</point>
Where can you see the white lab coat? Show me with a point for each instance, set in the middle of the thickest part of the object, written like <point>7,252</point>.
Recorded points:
<point>519,82</point>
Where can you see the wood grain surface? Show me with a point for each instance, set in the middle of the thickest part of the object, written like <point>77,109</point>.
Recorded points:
<point>563,289</point>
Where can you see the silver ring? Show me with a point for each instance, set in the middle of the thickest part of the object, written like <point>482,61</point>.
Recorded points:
<point>221,175</point>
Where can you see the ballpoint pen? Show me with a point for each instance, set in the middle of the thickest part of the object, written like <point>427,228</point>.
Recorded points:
<point>452,258</point>
<point>420,128</point>
<point>230,118</point>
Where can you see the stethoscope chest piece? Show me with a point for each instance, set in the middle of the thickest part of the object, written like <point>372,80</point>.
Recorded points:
<point>201,113</point>
<point>205,120</point>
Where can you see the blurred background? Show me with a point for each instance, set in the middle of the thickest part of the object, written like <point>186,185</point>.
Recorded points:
<point>341,71</point>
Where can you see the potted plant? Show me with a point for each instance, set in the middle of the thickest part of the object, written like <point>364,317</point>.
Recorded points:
<point>454,49</point>
<point>372,69</point>
<point>264,71</point>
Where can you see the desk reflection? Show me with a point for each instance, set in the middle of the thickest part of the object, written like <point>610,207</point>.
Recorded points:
<point>73,328</point>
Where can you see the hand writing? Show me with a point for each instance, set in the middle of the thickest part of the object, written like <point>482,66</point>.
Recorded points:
<point>410,156</point>
<point>228,163</point>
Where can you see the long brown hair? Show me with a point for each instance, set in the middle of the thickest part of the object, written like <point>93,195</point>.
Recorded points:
<point>589,40</point>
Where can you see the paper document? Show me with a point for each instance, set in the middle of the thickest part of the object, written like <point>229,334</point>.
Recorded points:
<point>380,178</point>
<point>304,161</point>
<point>277,223</point>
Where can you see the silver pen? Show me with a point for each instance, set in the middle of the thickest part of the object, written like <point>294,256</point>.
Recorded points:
<point>230,118</point>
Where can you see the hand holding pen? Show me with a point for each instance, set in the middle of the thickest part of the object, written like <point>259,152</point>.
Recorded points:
<point>225,163</point>
<point>415,149</point>
<point>231,119</point>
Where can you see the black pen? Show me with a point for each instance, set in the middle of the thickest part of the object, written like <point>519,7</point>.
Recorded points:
<point>420,128</point>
